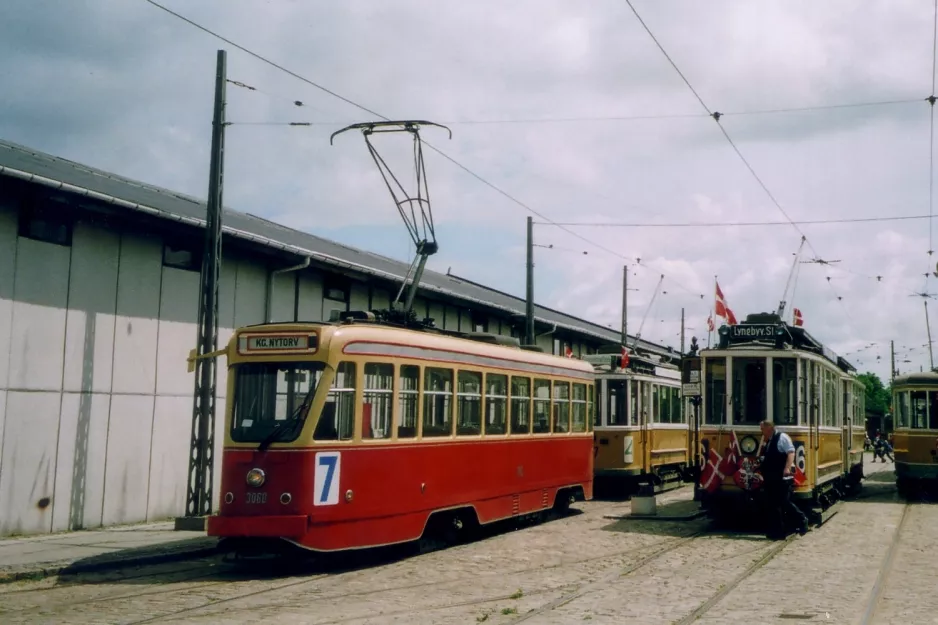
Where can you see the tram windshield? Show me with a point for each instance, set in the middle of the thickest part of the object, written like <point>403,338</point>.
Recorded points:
<point>269,396</point>
<point>749,393</point>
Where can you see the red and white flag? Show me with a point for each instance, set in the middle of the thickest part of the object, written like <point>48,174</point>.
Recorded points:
<point>733,456</point>
<point>711,477</point>
<point>568,352</point>
<point>722,310</point>
<point>798,319</point>
<point>710,324</point>
<point>624,358</point>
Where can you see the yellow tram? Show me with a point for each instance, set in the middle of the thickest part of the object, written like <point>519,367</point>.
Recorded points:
<point>915,440</point>
<point>640,434</point>
<point>764,368</point>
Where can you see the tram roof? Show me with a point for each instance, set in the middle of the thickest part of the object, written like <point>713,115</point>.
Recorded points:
<point>918,378</point>
<point>33,166</point>
<point>769,330</point>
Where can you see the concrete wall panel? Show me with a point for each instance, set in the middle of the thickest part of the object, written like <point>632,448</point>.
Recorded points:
<point>7,267</point>
<point>284,297</point>
<point>358,297</point>
<point>380,299</point>
<point>226,312</point>
<point>250,294</point>
<point>310,300</point>
<point>179,310</point>
<point>92,297</point>
<point>29,454</point>
<point>38,326</point>
<point>169,458</point>
<point>128,453</point>
<point>436,313</point>
<point>138,308</point>
<point>79,481</point>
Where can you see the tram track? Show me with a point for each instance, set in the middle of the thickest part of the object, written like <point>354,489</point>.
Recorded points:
<point>876,593</point>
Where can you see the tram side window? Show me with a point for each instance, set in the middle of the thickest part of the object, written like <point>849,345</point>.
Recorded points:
<point>561,406</point>
<point>377,400</point>
<point>437,402</point>
<point>617,402</point>
<point>919,409</point>
<point>541,407</point>
<point>337,419</point>
<point>830,402</point>
<point>749,392</point>
<point>496,403</point>
<point>469,402</point>
<point>408,396</point>
<point>590,405</point>
<point>633,402</point>
<point>784,391</point>
<point>933,410</point>
<point>715,381</point>
<point>520,405</point>
<point>901,402</point>
<point>676,415</point>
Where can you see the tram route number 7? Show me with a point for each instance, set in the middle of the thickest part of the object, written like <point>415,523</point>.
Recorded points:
<point>326,482</point>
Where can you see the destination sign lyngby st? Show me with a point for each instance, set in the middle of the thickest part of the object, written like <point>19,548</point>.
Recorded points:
<point>753,331</point>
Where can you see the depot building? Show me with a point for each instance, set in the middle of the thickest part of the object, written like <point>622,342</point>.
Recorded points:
<point>99,283</point>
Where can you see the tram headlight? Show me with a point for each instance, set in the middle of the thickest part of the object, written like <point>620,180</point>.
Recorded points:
<point>748,444</point>
<point>256,478</point>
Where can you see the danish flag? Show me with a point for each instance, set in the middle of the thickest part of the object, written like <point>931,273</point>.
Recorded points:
<point>722,310</point>
<point>799,320</point>
<point>624,358</point>
<point>568,352</point>
<point>711,477</point>
<point>710,324</point>
<point>733,455</point>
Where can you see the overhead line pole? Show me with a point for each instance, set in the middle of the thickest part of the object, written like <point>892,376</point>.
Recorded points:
<point>529,287</point>
<point>625,304</point>
<point>201,453</point>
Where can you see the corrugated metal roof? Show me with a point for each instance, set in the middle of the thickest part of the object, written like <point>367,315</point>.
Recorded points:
<point>25,163</point>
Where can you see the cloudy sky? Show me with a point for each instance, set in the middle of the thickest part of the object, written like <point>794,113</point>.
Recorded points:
<point>568,107</point>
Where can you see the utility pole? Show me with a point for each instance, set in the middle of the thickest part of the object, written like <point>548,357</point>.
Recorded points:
<point>201,454</point>
<point>529,296</point>
<point>892,361</point>
<point>625,304</point>
<point>682,333</point>
<point>931,355</point>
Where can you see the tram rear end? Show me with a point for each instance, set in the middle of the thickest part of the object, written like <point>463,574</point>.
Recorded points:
<point>915,440</point>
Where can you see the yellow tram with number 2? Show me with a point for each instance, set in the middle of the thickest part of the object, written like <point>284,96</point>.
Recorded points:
<point>640,435</point>
<point>764,368</point>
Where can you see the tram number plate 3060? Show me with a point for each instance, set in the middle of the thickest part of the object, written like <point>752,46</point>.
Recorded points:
<point>256,498</point>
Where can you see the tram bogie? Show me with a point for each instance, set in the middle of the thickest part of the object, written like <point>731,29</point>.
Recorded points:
<point>766,369</point>
<point>915,439</point>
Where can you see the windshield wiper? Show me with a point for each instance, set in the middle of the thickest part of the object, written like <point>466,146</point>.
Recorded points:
<point>302,409</point>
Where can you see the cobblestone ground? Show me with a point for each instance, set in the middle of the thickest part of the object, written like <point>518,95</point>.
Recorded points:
<point>581,568</point>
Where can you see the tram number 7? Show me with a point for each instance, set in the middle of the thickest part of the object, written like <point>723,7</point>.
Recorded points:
<point>326,483</point>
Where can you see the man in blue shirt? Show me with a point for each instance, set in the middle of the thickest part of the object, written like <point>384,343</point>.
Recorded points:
<point>778,473</point>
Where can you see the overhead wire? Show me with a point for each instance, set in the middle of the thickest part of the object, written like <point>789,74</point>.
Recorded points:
<point>733,224</point>
<point>716,116</point>
<point>624,118</point>
<point>361,107</point>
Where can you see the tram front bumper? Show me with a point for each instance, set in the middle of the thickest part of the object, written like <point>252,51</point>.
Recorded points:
<point>258,526</point>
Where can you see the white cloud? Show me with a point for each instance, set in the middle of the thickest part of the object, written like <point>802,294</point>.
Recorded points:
<point>125,87</point>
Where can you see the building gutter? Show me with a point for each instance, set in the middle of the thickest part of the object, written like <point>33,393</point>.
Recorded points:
<point>270,284</point>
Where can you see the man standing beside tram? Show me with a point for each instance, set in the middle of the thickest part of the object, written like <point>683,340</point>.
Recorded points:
<point>778,474</point>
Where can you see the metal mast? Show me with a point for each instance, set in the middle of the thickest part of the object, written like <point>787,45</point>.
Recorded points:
<point>201,453</point>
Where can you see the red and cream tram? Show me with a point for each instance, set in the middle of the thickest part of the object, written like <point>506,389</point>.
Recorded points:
<point>360,434</point>
<point>764,368</point>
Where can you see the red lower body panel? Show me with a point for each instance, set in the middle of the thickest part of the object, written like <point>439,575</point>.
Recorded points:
<point>354,496</point>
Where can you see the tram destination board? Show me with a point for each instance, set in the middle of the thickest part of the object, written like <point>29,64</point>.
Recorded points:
<point>690,376</point>
<point>753,332</point>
